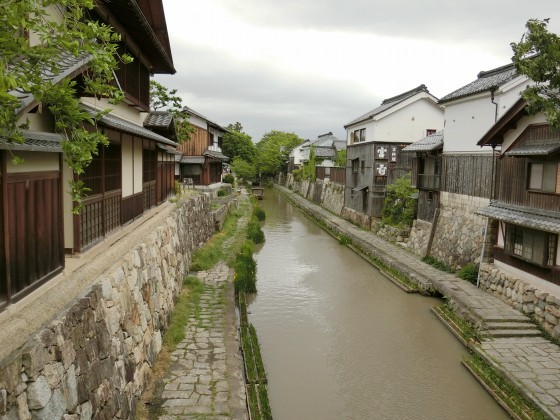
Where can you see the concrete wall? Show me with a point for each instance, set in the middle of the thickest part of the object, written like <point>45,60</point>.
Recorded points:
<point>93,358</point>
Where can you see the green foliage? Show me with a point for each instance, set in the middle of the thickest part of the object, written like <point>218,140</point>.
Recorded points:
<point>187,306</point>
<point>308,169</point>
<point>399,208</point>
<point>273,151</point>
<point>259,214</point>
<point>298,174</point>
<point>245,269</point>
<point>162,97</point>
<point>440,265</point>
<point>229,179</point>
<point>341,158</point>
<point>222,193</point>
<point>254,231</point>
<point>235,127</point>
<point>23,63</point>
<point>537,56</point>
<point>469,272</point>
<point>238,145</point>
<point>243,169</point>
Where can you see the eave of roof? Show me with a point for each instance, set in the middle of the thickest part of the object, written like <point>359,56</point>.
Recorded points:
<point>495,135</point>
<point>523,216</point>
<point>190,111</point>
<point>35,141</point>
<point>215,155</point>
<point>486,81</point>
<point>133,20</point>
<point>68,65</point>
<point>118,123</point>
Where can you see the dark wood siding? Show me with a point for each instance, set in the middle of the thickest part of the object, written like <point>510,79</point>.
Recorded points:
<point>468,175</point>
<point>33,232</point>
<point>197,144</point>
<point>428,202</point>
<point>513,186</point>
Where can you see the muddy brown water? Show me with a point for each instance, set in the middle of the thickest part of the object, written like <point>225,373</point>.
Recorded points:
<point>339,341</point>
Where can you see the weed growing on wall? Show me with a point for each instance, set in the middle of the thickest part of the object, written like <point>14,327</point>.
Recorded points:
<point>399,208</point>
<point>245,269</point>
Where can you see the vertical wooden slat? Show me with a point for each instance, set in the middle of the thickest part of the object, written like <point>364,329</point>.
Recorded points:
<point>34,229</point>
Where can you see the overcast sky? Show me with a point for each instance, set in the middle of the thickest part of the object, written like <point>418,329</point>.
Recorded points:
<point>311,66</point>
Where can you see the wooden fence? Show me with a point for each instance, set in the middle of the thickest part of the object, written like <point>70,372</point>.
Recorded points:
<point>335,174</point>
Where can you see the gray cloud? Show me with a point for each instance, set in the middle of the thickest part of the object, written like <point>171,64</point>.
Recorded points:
<point>497,23</point>
<point>263,98</point>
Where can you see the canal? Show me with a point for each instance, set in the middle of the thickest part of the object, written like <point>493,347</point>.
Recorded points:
<point>340,341</point>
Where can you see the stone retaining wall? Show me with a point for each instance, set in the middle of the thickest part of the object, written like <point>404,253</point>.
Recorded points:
<point>419,237</point>
<point>323,192</point>
<point>94,358</point>
<point>523,296</point>
<point>459,231</point>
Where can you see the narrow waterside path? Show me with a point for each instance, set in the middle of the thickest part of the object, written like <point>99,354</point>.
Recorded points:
<point>340,341</point>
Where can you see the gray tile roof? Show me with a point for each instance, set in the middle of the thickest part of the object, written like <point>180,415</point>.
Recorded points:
<point>215,155</point>
<point>324,152</point>
<point>67,63</point>
<point>158,119</point>
<point>120,124</point>
<point>388,103</point>
<point>542,147</point>
<point>486,80</point>
<point>427,144</point>
<point>340,145</point>
<point>523,216</point>
<point>35,141</point>
<point>195,160</point>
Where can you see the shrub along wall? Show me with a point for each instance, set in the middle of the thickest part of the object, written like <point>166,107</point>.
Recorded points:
<point>94,358</point>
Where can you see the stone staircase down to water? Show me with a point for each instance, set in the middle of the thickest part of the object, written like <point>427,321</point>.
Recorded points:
<point>506,328</point>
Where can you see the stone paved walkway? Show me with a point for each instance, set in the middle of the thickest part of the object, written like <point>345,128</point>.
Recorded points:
<point>205,379</point>
<point>533,364</point>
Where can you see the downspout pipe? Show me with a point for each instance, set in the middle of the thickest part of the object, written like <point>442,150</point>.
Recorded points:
<point>491,189</point>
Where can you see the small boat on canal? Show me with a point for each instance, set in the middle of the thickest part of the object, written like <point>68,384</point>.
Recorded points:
<point>258,192</point>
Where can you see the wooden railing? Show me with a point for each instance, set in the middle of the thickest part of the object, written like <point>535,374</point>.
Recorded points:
<point>101,214</point>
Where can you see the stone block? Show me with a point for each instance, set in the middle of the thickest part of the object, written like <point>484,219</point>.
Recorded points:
<point>38,393</point>
<point>55,408</point>
<point>551,319</point>
<point>70,389</point>
<point>53,373</point>
<point>35,357</point>
<point>3,401</point>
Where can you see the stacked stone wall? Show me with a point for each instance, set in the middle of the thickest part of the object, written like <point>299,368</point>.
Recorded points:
<point>459,231</point>
<point>390,233</point>
<point>419,237</point>
<point>523,296</point>
<point>94,359</point>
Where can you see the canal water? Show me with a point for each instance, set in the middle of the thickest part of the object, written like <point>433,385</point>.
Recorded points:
<point>340,341</point>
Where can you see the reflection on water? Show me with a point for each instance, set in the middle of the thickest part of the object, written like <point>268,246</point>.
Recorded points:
<point>340,341</point>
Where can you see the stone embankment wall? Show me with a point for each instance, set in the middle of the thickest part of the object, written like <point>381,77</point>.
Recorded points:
<point>94,358</point>
<point>523,296</point>
<point>323,192</point>
<point>459,231</point>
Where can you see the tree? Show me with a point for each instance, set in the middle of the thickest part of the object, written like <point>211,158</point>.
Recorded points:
<point>162,97</point>
<point>309,166</point>
<point>399,208</point>
<point>24,63</point>
<point>243,169</point>
<point>341,158</point>
<point>537,56</point>
<point>235,127</point>
<point>273,151</point>
<point>238,144</point>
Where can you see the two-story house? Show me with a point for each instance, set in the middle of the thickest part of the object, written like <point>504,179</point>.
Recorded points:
<point>525,210</point>
<point>448,226</point>
<point>375,141</point>
<point>201,156</point>
<point>134,173</point>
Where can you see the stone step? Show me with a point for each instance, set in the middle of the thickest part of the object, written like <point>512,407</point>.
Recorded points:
<point>509,325</point>
<point>511,333</point>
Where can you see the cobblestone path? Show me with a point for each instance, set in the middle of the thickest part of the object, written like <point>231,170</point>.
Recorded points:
<point>205,379</point>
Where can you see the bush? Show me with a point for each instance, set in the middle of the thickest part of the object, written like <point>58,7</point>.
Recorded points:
<point>259,213</point>
<point>469,272</point>
<point>222,193</point>
<point>440,265</point>
<point>399,209</point>
<point>254,231</point>
<point>245,269</point>
<point>229,179</point>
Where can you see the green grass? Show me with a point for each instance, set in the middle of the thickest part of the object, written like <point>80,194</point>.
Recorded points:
<point>440,265</point>
<point>469,272</point>
<point>504,389</point>
<point>188,305</point>
<point>465,329</point>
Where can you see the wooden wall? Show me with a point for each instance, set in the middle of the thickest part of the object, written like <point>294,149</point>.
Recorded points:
<point>197,144</point>
<point>468,175</point>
